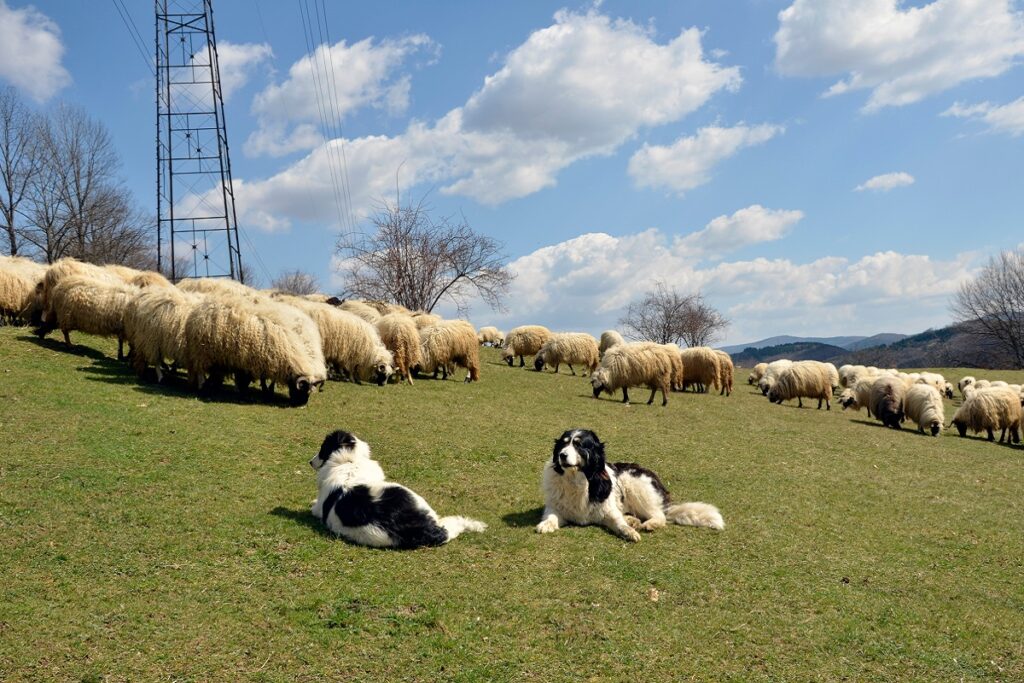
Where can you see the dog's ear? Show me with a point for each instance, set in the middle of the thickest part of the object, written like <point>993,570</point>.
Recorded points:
<point>593,453</point>
<point>559,444</point>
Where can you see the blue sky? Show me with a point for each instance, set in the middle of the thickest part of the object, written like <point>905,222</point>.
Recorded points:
<point>716,146</point>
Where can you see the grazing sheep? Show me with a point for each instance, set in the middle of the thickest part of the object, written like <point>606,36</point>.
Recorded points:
<point>523,341</point>
<point>859,395</point>
<point>887,401</point>
<point>997,383</point>
<point>154,326</point>
<point>932,379</point>
<point>96,307</point>
<point>726,370</point>
<point>400,336</point>
<point>67,267</point>
<point>833,376</point>
<point>254,337</point>
<point>215,285</point>
<point>609,338</point>
<point>947,390</point>
<point>424,320</point>
<point>569,348</point>
<point>756,373</point>
<point>678,372</point>
<point>981,384</point>
<point>803,379</point>
<point>360,308</point>
<point>149,278</point>
<point>700,368</point>
<point>634,364</point>
<point>19,279</point>
<point>450,342</point>
<point>988,410</point>
<point>351,345</point>
<point>771,373</point>
<point>923,405</point>
<point>490,335</point>
<point>965,381</point>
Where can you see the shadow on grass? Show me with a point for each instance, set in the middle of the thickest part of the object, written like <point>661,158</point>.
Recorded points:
<point>304,518</point>
<point>526,518</point>
<point>59,346</point>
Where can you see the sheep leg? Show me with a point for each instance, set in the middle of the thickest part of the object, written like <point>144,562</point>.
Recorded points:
<point>664,395</point>
<point>556,367</point>
<point>799,402</point>
<point>408,377</point>
<point>625,395</point>
<point>120,348</point>
<point>991,436</point>
<point>819,404</point>
<point>828,404</point>
<point>1002,435</point>
<point>522,362</point>
<point>571,370</point>
<point>1014,434</point>
<point>654,391</point>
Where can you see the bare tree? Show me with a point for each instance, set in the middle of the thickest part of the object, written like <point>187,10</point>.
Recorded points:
<point>296,282</point>
<point>18,162</point>
<point>991,306</point>
<point>416,260</point>
<point>665,316</point>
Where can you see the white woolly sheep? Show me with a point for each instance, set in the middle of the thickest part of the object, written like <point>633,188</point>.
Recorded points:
<point>859,395</point>
<point>523,341</point>
<point>988,410</point>
<point>726,370</point>
<point>95,307</point>
<point>67,267</point>
<point>254,337</point>
<point>399,334</point>
<point>803,379</point>
<point>216,285</point>
<point>965,381</point>
<point>947,390</point>
<point>424,320</point>
<point>933,379</point>
<point>20,281</point>
<point>887,401</point>
<point>609,338</point>
<point>490,335</point>
<point>360,308</point>
<point>570,348</point>
<point>634,364</point>
<point>756,373</point>
<point>923,405</point>
<point>154,326</point>
<point>450,342</point>
<point>351,345</point>
<point>771,373</point>
<point>833,375</point>
<point>678,372</point>
<point>700,368</point>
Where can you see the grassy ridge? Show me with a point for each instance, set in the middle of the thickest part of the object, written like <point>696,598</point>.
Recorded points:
<point>147,535</point>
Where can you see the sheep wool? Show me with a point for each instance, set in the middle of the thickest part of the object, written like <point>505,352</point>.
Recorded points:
<point>215,285</point>
<point>67,267</point>
<point>923,405</point>
<point>756,373</point>
<point>450,342</point>
<point>700,368</point>
<point>490,335</point>
<point>609,338</point>
<point>859,395</point>
<point>726,370</point>
<point>424,320</point>
<point>990,409</point>
<point>634,364</point>
<point>523,341</point>
<point>96,307</point>
<point>804,379</point>
<point>571,348</point>
<point>19,278</point>
<point>154,325</point>
<point>362,309</point>
<point>887,400</point>
<point>771,373</point>
<point>399,334</point>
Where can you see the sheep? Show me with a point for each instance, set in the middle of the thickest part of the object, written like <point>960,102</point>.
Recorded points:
<point>96,307</point>
<point>833,376</point>
<point>981,384</point>
<point>215,285</point>
<point>965,381</point>
<point>887,401</point>
<point>351,345</point>
<point>568,347</point>
<point>923,405</point>
<point>424,320</point>
<point>254,337</point>
<point>807,378</point>
<point>19,279</point>
<point>400,336</point>
<point>933,379</point>
<point>634,364</point>
<point>726,370</point>
<point>859,395</point>
<point>450,342</point>
<point>154,326</point>
<point>990,409</point>
<point>756,373</point>
<point>149,278</point>
<point>947,390</point>
<point>360,308</point>
<point>490,335</point>
<point>67,267</point>
<point>609,338</point>
<point>523,341</point>
<point>771,373</point>
<point>997,383</point>
<point>700,368</point>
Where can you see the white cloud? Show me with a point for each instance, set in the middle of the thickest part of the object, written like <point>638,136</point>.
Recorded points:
<point>687,163</point>
<point>902,54</point>
<point>585,283</point>
<point>752,225</point>
<point>579,88</point>
<point>886,182</point>
<point>237,62</point>
<point>1007,118</point>
<point>31,52</point>
<point>340,78</point>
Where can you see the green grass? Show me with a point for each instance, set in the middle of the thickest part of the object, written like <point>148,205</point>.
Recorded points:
<point>148,535</point>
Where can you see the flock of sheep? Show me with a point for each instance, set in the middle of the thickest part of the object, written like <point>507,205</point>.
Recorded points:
<point>212,328</point>
<point>892,396</point>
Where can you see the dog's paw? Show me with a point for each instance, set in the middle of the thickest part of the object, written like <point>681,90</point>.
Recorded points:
<point>547,526</point>
<point>634,522</point>
<point>651,525</point>
<point>630,535</point>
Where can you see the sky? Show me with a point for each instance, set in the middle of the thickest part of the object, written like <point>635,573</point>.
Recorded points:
<point>817,168</point>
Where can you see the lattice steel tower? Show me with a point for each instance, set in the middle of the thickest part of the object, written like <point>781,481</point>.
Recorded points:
<point>197,227</point>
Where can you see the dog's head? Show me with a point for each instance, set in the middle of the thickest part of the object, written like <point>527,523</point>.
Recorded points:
<point>579,449</point>
<point>340,447</point>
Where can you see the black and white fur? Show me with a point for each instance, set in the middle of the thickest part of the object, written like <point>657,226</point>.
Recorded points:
<point>581,488</point>
<point>356,502</point>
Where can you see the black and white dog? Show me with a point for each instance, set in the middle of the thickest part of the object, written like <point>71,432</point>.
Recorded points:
<point>356,502</point>
<point>581,488</point>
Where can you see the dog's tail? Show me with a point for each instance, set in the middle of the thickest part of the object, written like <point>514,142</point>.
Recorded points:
<point>456,525</point>
<point>695,514</point>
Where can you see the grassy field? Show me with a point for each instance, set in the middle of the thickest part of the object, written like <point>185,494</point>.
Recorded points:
<point>148,535</point>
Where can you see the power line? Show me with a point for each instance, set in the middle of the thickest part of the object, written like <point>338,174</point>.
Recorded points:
<point>133,33</point>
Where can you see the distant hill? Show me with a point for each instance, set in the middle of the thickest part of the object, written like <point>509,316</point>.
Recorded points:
<point>847,343</point>
<point>793,351</point>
